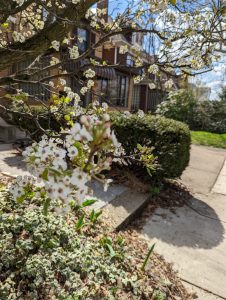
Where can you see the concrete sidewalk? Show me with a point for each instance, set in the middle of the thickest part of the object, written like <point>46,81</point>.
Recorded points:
<point>193,237</point>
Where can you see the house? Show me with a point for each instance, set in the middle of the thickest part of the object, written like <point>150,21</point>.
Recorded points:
<point>114,85</point>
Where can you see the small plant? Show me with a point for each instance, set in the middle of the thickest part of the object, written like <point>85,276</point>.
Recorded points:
<point>107,242</point>
<point>94,215</point>
<point>154,190</point>
<point>80,223</point>
<point>158,295</point>
<point>147,257</point>
<point>147,158</point>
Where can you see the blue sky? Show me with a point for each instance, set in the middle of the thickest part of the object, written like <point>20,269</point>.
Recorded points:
<point>214,79</point>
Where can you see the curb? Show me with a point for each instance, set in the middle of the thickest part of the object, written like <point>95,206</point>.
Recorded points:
<point>125,208</point>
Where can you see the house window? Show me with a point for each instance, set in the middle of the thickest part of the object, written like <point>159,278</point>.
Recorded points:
<point>115,91</point>
<point>118,90</point>
<point>82,39</point>
<point>136,97</point>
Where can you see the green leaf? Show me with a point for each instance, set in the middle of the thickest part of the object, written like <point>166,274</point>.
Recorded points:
<point>46,206</point>
<point>139,147</point>
<point>94,216</point>
<point>21,199</point>
<point>111,250</point>
<point>91,217</point>
<point>45,174</point>
<point>174,2</point>
<point>5,25</point>
<point>80,223</point>
<point>147,257</point>
<point>88,202</point>
<point>77,208</point>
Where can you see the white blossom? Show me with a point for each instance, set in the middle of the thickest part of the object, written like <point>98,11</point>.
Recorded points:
<point>90,83</point>
<point>152,86</point>
<point>168,84</point>
<point>123,49</point>
<point>140,113</point>
<point>56,45</point>
<point>89,73</point>
<point>74,53</point>
<point>153,69</point>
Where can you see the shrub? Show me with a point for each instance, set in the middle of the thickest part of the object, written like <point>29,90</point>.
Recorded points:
<point>210,116</point>
<point>44,257</point>
<point>170,140</point>
<point>198,115</point>
<point>180,106</point>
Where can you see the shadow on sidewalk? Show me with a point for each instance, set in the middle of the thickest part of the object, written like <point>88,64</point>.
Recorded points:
<point>195,225</point>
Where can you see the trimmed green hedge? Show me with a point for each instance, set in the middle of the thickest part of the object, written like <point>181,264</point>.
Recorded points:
<point>170,139</point>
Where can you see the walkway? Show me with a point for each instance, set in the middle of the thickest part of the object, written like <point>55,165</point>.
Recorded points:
<point>193,237</point>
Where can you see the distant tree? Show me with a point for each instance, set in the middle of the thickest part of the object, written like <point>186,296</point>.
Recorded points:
<point>222,94</point>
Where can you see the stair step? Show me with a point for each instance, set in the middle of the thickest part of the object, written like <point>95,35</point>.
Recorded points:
<point>7,134</point>
<point>125,208</point>
<point>10,133</point>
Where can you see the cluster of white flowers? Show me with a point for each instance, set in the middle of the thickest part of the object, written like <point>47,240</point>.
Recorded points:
<point>74,52</point>
<point>48,162</point>
<point>84,90</point>
<point>54,61</point>
<point>71,95</point>
<point>63,167</point>
<point>153,69</point>
<point>127,113</point>
<point>139,62</point>
<point>168,84</point>
<point>90,84</point>
<point>152,86</point>
<point>56,45</point>
<point>123,49</point>
<point>89,73</point>
<point>140,113</point>
<point>21,185</point>
<point>18,37</point>
<point>137,79</point>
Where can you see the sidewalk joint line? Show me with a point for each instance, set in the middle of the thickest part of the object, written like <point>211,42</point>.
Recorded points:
<point>201,288</point>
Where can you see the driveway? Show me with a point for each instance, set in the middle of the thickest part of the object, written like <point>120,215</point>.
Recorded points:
<point>193,236</point>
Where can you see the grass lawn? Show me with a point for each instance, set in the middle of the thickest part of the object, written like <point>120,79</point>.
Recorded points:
<point>208,139</point>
